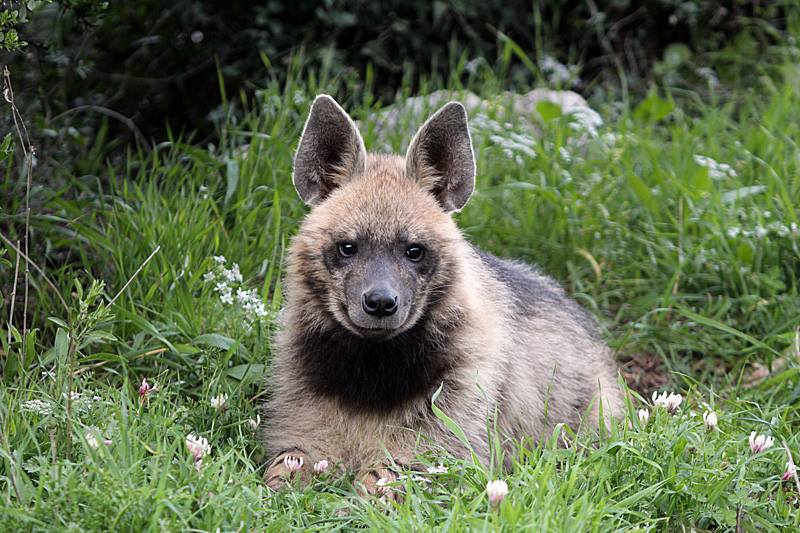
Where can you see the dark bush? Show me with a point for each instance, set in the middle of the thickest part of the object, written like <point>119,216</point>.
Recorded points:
<point>156,62</point>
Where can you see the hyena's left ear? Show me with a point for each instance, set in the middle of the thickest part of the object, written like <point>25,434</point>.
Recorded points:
<point>440,157</point>
<point>331,151</point>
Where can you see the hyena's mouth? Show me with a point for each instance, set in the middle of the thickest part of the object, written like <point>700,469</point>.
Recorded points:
<point>376,330</point>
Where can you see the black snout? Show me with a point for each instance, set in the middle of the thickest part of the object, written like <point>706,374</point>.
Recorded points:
<point>379,302</point>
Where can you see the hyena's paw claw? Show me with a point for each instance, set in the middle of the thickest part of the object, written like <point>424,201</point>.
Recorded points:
<point>289,466</point>
<point>379,483</point>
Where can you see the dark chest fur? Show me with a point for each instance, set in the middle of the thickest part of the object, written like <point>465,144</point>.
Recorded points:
<point>370,375</point>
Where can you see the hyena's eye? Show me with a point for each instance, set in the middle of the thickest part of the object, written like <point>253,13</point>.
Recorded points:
<point>347,249</point>
<point>415,252</point>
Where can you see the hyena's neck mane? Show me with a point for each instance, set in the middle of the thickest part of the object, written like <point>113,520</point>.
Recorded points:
<point>376,376</point>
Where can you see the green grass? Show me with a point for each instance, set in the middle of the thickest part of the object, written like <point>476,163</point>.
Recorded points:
<point>636,230</point>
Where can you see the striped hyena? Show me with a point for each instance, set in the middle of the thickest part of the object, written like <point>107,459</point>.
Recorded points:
<point>386,301</point>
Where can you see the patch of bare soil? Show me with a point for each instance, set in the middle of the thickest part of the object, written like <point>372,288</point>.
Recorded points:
<point>644,372</point>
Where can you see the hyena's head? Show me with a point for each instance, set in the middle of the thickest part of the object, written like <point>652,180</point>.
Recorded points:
<point>379,247</point>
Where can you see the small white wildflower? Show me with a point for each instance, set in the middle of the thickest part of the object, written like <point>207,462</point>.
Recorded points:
<point>710,420</point>
<point>218,402</point>
<point>439,469</point>
<point>557,72</point>
<point>781,229</point>
<point>414,477</point>
<point>209,276</point>
<point>716,170</point>
<point>497,490</point>
<point>733,232</point>
<point>251,303</point>
<point>760,443</point>
<point>48,374</point>
<point>668,401</point>
<point>220,260</point>
<point>644,416</point>
<point>709,75</point>
<point>254,422</point>
<point>232,275</point>
<point>761,231</point>
<point>320,466</point>
<point>40,407</point>
<point>585,119</point>
<point>225,292</point>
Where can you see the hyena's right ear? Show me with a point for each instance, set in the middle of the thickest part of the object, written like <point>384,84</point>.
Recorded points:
<point>330,152</point>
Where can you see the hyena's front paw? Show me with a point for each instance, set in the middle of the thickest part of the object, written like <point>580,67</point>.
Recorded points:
<point>289,466</point>
<point>379,482</point>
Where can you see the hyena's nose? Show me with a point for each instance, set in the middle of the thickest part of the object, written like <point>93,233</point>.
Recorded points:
<point>379,302</point>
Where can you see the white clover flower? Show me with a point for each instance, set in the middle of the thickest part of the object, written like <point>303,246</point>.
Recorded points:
<point>91,440</point>
<point>496,490</point>
<point>145,389</point>
<point>760,443</point>
<point>710,420</point>
<point>218,402</point>
<point>382,486</point>
<point>644,416</point>
<point>198,448</point>
<point>320,466</point>
<point>790,472</point>
<point>668,401</point>
<point>254,422</point>
<point>439,469</point>
<point>40,407</point>
<point>293,462</point>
